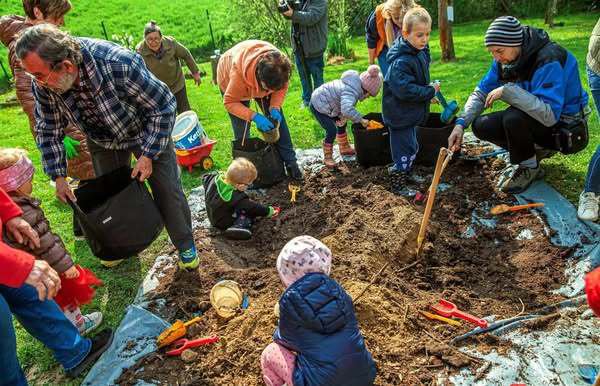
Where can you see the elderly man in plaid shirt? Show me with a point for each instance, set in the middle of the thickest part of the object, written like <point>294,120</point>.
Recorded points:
<point>122,109</point>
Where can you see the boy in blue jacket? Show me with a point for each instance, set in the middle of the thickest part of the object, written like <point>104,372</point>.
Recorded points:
<point>318,341</point>
<point>407,93</point>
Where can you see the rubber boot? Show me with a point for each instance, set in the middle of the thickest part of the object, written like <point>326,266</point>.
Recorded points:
<point>398,181</point>
<point>328,155</point>
<point>345,147</point>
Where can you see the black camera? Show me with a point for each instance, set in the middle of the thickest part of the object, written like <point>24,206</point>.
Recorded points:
<point>285,5</point>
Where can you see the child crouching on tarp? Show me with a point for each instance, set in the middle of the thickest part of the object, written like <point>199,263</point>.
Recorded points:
<point>16,176</point>
<point>228,206</point>
<point>317,341</point>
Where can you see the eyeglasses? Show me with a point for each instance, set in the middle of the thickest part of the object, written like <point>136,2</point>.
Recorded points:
<point>38,79</point>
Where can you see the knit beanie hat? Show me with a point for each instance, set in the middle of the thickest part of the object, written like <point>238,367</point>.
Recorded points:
<point>371,80</point>
<point>592,289</point>
<point>16,175</point>
<point>505,31</point>
<point>302,255</point>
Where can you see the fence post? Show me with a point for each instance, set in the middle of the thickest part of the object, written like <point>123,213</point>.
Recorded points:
<point>104,30</point>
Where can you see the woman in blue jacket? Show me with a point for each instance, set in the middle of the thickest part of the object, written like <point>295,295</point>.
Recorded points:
<point>317,342</point>
<point>540,81</point>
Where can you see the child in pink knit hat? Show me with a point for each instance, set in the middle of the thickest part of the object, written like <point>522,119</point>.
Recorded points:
<point>317,341</point>
<point>334,103</point>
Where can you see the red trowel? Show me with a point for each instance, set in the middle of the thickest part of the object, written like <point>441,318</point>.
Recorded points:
<point>449,309</point>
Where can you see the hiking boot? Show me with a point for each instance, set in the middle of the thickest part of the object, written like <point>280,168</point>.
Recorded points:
<point>541,154</point>
<point>89,322</point>
<point>111,263</point>
<point>520,179</point>
<point>398,181</point>
<point>588,206</point>
<point>328,155</point>
<point>345,147</point>
<point>240,230</point>
<point>100,343</point>
<point>293,171</point>
<point>188,259</point>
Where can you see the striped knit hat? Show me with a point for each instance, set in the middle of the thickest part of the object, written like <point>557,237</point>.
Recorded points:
<point>505,31</point>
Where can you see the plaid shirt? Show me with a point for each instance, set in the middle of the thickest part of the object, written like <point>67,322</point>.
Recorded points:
<point>118,104</point>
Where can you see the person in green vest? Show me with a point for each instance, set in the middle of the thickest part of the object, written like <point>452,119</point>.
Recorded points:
<point>163,55</point>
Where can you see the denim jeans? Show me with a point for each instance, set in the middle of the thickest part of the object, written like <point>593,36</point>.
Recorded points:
<point>284,145</point>
<point>592,181</point>
<point>382,60</point>
<point>313,79</point>
<point>328,123</point>
<point>46,322</point>
<point>404,146</point>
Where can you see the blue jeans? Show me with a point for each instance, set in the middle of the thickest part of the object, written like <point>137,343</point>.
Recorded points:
<point>284,145</point>
<point>592,181</point>
<point>404,146</point>
<point>382,60</point>
<point>328,123</point>
<point>313,79</point>
<point>46,322</point>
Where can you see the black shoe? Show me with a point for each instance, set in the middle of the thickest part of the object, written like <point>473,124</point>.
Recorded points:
<point>100,343</point>
<point>398,182</point>
<point>240,230</point>
<point>293,171</point>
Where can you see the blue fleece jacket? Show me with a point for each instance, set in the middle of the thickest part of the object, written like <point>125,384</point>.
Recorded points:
<point>317,321</point>
<point>406,90</point>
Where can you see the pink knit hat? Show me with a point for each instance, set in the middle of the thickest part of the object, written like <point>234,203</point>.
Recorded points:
<point>16,175</point>
<point>302,255</point>
<point>371,80</point>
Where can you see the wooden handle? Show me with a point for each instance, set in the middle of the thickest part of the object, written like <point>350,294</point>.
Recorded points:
<point>519,207</point>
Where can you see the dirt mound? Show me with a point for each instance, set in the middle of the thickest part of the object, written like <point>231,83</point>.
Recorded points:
<point>485,270</point>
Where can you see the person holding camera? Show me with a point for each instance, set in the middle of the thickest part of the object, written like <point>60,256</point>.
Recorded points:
<point>309,40</point>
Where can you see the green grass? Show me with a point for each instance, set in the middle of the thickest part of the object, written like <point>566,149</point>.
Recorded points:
<point>459,78</point>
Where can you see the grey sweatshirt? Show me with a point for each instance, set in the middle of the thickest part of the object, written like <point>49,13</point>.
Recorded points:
<point>338,98</point>
<point>311,22</point>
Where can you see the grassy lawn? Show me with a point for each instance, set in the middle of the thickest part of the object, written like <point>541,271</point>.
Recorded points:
<point>458,80</point>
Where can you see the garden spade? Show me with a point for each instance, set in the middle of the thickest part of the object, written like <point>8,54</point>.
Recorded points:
<point>176,331</point>
<point>503,208</point>
<point>450,109</point>
<point>449,309</point>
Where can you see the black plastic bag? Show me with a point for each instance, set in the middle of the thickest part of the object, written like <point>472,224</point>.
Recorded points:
<point>432,135</point>
<point>117,214</point>
<point>372,146</point>
<point>265,157</point>
<point>572,137</point>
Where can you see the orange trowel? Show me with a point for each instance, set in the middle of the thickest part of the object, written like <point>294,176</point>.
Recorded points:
<point>176,331</point>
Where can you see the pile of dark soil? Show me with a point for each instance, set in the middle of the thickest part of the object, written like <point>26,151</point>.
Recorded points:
<point>484,270</point>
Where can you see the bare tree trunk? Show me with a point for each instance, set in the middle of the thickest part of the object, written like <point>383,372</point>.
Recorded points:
<point>446,40</point>
<point>550,12</point>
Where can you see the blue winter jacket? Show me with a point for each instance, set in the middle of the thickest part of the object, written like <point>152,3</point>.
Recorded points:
<point>317,321</point>
<point>406,90</point>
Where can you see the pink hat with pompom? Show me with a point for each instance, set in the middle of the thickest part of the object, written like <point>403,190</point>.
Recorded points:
<point>371,80</point>
<point>302,255</point>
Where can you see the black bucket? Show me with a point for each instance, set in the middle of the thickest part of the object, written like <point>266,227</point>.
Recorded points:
<point>372,146</point>
<point>265,158</point>
<point>432,136</point>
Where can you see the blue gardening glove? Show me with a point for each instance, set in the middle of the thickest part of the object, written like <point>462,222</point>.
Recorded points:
<point>262,123</point>
<point>276,114</point>
<point>71,147</point>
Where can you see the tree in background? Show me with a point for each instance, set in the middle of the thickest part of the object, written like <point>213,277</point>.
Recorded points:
<point>446,40</point>
<point>339,30</point>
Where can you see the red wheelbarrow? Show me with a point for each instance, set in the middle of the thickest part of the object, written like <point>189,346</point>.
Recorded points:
<point>196,155</point>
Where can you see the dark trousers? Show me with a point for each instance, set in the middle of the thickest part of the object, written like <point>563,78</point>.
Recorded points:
<point>328,123</point>
<point>311,77</point>
<point>284,145</point>
<point>515,131</point>
<point>404,147</point>
<point>165,184</point>
<point>183,104</point>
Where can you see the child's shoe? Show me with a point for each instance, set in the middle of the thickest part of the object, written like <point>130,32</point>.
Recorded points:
<point>89,322</point>
<point>588,206</point>
<point>345,147</point>
<point>240,230</point>
<point>188,259</point>
<point>111,263</point>
<point>398,181</point>
<point>328,155</point>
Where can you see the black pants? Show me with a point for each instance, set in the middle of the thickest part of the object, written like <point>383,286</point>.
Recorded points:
<point>515,131</point>
<point>183,104</point>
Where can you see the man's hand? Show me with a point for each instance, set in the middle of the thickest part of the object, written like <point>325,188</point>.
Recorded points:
<point>493,96</point>
<point>455,139</point>
<point>71,273</point>
<point>20,231</point>
<point>288,13</point>
<point>45,280</point>
<point>342,122</point>
<point>142,168</point>
<point>197,78</point>
<point>63,190</point>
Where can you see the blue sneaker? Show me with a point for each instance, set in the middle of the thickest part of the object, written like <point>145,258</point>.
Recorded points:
<point>188,259</point>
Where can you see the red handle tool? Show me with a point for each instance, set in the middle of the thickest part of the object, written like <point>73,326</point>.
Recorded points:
<point>181,345</point>
<point>449,309</point>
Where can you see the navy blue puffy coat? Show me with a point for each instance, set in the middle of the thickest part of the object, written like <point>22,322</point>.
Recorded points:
<point>317,321</point>
<point>406,90</point>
